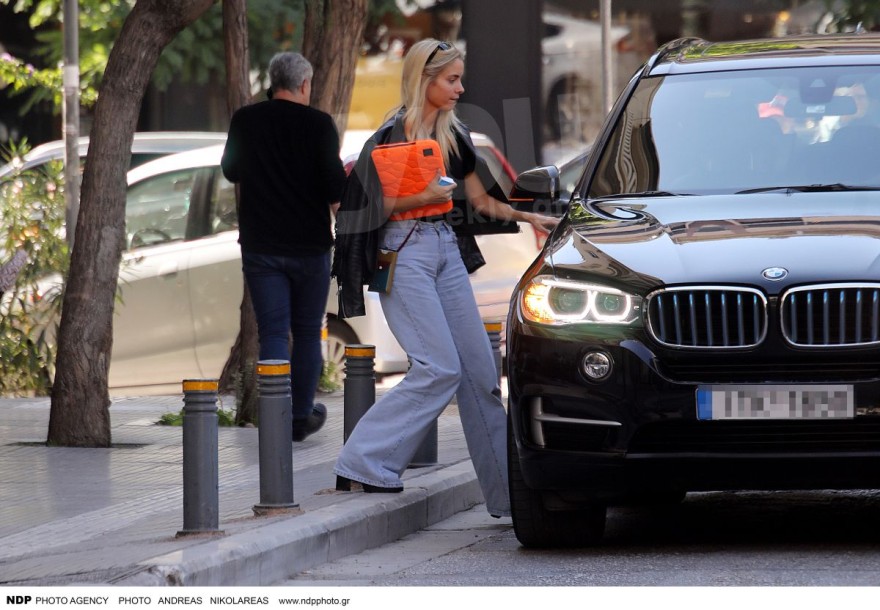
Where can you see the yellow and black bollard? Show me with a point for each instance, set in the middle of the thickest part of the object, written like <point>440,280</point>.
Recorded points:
<point>275,437</point>
<point>359,385</point>
<point>201,484</point>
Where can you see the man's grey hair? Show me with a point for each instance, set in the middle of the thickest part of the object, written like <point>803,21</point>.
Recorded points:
<point>289,71</point>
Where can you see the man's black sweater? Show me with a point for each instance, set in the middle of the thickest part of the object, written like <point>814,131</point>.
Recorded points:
<point>286,157</point>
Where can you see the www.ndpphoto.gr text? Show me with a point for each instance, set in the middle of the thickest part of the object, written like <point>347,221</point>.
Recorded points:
<point>314,601</point>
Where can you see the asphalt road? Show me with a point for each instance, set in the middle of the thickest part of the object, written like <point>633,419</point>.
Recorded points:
<point>742,539</point>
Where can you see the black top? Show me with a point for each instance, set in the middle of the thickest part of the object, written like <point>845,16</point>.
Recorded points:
<point>286,157</point>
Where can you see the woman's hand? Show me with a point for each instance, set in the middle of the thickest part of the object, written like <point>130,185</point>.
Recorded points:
<point>436,192</point>
<point>544,224</point>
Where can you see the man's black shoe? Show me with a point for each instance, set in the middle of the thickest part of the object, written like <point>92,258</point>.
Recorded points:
<point>308,426</point>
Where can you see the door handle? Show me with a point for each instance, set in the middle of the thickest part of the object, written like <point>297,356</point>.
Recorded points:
<point>169,271</point>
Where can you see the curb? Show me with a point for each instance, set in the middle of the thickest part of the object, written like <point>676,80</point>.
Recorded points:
<point>274,552</point>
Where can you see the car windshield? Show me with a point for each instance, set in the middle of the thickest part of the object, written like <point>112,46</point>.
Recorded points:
<point>791,129</point>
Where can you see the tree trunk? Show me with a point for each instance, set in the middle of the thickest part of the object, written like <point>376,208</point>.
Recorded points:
<point>332,36</point>
<point>79,415</point>
<point>239,375</point>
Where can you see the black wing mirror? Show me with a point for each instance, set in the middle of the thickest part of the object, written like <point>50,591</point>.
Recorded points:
<point>537,190</point>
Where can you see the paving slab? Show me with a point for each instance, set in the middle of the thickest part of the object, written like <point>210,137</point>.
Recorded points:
<point>111,516</point>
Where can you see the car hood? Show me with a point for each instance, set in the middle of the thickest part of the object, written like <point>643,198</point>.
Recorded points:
<point>723,239</point>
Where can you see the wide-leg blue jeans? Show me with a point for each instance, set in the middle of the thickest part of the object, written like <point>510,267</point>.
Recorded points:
<point>290,296</point>
<point>433,314</point>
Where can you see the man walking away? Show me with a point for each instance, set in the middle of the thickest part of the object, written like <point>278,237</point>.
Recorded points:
<point>285,157</point>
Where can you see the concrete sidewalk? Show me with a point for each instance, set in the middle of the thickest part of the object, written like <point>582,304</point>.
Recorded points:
<point>110,516</point>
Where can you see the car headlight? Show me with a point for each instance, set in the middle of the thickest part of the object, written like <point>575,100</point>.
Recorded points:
<point>547,300</point>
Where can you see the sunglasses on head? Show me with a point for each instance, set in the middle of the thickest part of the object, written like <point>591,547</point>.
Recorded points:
<point>443,46</point>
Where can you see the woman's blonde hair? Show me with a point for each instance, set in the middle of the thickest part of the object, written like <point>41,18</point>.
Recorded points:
<point>418,72</point>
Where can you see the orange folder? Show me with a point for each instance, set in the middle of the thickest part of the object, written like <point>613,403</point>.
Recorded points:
<point>407,168</point>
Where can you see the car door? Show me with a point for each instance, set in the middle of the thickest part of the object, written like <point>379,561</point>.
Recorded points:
<point>216,282</point>
<point>153,336</point>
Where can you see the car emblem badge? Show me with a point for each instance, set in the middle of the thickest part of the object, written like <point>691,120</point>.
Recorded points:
<point>774,273</point>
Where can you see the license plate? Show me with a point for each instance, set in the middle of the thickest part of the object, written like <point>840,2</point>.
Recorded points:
<point>775,402</point>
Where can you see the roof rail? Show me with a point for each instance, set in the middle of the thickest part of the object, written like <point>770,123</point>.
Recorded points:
<point>670,48</point>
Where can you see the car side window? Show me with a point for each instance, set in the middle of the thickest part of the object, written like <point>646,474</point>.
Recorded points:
<point>224,211</point>
<point>156,209</point>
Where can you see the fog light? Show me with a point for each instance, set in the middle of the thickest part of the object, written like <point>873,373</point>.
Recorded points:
<point>596,365</point>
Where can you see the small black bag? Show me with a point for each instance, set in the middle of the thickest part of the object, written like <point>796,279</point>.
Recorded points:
<point>383,276</point>
<point>386,262</point>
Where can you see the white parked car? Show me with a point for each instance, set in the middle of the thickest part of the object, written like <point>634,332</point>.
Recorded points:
<point>181,283</point>
<point>146,146</point>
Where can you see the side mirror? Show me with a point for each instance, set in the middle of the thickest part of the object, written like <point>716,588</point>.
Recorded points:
<point>537,190</point>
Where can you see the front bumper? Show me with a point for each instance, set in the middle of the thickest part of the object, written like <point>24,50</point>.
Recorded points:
<point>638,431</point>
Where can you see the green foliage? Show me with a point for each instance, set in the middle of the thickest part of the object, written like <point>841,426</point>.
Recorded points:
<point>224,418</point>
<point>42,84</point>
<point>330,377</point>
<point>31,218</point>
<point>196,55</point>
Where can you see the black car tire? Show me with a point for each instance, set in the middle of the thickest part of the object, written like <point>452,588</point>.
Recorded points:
<point>537,527</point>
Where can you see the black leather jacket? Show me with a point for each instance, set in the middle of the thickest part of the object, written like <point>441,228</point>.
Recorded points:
<point>361,215</point>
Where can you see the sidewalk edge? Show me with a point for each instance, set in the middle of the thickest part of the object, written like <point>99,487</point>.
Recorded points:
<point>274,552</point>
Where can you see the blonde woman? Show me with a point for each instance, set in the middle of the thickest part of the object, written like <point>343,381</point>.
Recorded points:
<point>431,307</point>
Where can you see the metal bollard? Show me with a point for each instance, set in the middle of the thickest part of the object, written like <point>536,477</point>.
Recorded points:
<point>493,329</point>
<point>201,495</point>
<point>358,386</point>
<point>275,437</point>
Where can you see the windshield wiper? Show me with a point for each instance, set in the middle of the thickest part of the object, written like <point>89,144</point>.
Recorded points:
<point>810,188</point>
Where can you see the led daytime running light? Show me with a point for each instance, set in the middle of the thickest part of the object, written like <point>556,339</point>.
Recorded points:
<point>537,303</point>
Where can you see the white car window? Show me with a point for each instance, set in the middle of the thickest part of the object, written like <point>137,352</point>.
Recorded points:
<point>156,209</point>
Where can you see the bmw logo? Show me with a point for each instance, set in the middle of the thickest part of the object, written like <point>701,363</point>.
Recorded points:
<point>774,273</point>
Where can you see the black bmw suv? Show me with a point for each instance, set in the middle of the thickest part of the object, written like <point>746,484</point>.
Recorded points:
<point>707,314</point>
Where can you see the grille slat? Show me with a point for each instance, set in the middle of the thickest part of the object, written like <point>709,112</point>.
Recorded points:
<point>708,308</point>
<point>676,308</point>
<point>859,316</point>
<point>875,315</point>
<point>832,315</point>
<point>701,316</point>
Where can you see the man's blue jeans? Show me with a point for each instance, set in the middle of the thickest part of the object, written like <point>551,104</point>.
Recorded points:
<point>290,296</point>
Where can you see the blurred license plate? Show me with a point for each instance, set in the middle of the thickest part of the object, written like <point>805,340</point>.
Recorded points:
<point>775,402</point>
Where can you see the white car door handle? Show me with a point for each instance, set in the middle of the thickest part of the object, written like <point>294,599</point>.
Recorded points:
<point>169,270</point>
